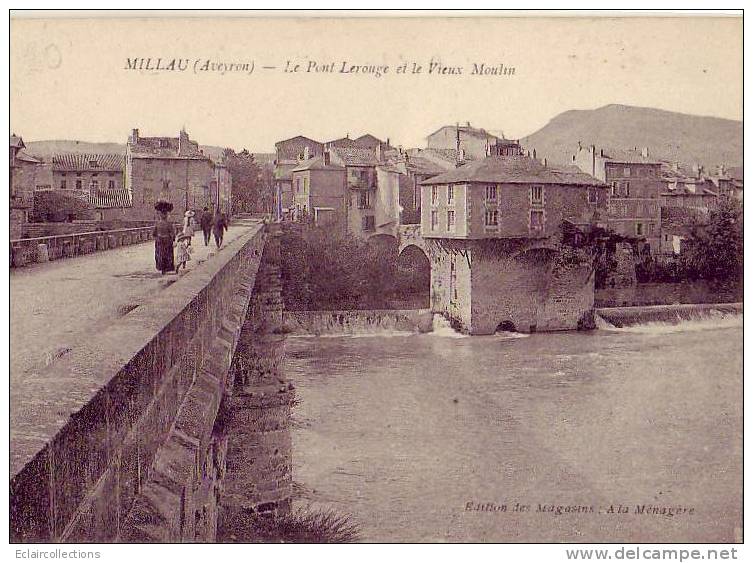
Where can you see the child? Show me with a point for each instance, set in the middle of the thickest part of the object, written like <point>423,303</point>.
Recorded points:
<point>182,251</point>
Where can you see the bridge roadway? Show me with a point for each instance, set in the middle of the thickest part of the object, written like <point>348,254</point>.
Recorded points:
<point>57,304</point>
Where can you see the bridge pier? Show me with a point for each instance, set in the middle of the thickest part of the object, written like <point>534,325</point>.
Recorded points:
<point>257,407</point>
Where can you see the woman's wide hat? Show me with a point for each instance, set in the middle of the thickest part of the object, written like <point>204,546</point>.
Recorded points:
<point>190,213</point>
<point>182,236</point>
<point>163,206</point>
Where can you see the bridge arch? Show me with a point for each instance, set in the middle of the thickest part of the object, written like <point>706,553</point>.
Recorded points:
<point>413,274</point>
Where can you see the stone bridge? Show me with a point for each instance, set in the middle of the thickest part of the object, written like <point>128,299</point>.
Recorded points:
<point>166,421</point>
<point>408,235</point>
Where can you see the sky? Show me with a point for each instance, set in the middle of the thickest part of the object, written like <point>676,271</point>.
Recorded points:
<point>70,77</point>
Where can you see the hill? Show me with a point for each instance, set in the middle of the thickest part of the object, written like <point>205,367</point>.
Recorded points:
<point>45,149</point>
<point>669,135</point>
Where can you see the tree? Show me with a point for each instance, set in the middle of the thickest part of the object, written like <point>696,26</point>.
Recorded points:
<point>248,190</point>
<point>60,205</point>
<point>714,250</point>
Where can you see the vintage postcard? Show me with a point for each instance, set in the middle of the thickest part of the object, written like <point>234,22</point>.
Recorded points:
<point>381,277</point>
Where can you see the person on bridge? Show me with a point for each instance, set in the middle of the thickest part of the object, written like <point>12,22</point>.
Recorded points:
<point>189,224</point>
<point>206,225</point>
<point>164,234</point>
<point>219,226</point>
<point>182,251</point>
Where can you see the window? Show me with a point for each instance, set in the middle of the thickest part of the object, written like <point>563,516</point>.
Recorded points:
<point>163,143</point>
<point>450,195</point>
<point>434,194</point>
<point>639,229</point>
<point>537,194</point>
<point>298,184</point>
<point>305,185</point>
<point>592,196</point>
<point>626,171</point>
<point>111,184</point>
<point>491,218</point>
<point>78,174</point>
<point>491,193</point>
<point>537,220</point>
<point>434,220</point>
<point>93,164</point>
<point>614,188</point>
<point>364,200</point>
<point>368,223</point>
<point>78,184</point>
<point>453,280</point>
<point>651,228</point>
<point>627,189</point>
<point>450,220</point>
<point>62,184</point>
<point>94,185</point>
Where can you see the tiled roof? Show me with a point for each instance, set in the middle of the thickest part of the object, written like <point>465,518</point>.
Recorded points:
<point>88,162</point>
<point>166,147</point>
<point>449,155</point>
<point>108,199</point>
<point>344,142</point>
<point>26,157</point>
<point>514,170</point>
<point>316,164</point>
<point>355,156</point>
<point>17,142</point>
<point>424,166</point>
<point>628,156</point>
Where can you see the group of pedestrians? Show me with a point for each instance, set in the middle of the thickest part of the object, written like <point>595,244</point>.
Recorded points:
<point>166,239</point>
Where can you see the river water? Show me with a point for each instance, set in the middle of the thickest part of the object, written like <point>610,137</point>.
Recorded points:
<point>437,437</point>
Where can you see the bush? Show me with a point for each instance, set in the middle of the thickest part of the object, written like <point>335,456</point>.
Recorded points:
<point>302,526</point>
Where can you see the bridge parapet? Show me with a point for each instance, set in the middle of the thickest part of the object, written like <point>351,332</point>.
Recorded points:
<point>114,442</point>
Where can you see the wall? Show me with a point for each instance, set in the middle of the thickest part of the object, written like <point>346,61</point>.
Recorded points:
<point>103,178</point>
<point>699,291</point>
<point>358,322</point>
<point>513,206</point>
<point>116,441</point>
<point>641,206</point>
<point>455,305</point>
<point>144,177</point>
<point>530,290</point>
<point>27,251</point>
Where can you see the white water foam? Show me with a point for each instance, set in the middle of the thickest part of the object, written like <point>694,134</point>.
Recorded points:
<point>441,327</point>
<point>713,320</point>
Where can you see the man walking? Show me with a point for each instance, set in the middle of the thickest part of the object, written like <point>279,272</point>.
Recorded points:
<point>219,226</point>
<point>206,224</point>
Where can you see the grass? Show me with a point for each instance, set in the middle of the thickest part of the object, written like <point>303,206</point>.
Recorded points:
<point>301,526</point>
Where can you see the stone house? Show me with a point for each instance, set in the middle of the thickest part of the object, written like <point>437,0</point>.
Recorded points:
<point>471,141</point>
<point>167,168</point>
<point>288,155</point>
<point>492,229</point>
<point>635,182</point>
<point>27,174</point>
<point>319,191</point>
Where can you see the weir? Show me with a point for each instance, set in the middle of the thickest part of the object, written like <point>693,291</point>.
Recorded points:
<point>172,416</point>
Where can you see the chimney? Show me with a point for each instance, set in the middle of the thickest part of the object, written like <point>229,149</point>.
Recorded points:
<point>388,141</point>
<point>544,162</point>
<point>326,158</point>
<point>182,141</point>
<point>468,124</point>
<point>134,136</point>
<point>534,154</point>
<point>644,152</point>
<point>306,153</point>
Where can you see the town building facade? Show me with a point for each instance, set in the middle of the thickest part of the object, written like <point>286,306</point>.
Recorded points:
<point>170,169</point>
<point>471,141</point>
<point>493,228</point>
<point>635,185</point>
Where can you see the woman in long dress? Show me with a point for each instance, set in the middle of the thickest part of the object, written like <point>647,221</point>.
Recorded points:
<point>164,235</point>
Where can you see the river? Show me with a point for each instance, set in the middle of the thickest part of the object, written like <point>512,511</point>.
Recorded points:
<point>525,438</point>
